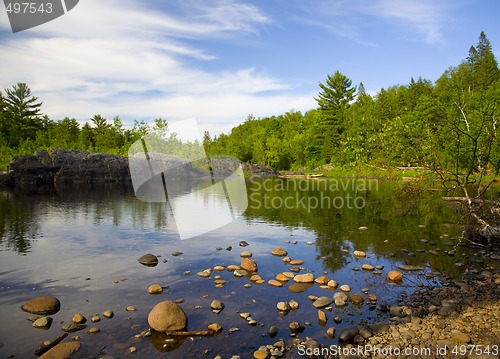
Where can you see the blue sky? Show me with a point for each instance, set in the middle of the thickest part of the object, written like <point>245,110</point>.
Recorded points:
<point>219,61</point>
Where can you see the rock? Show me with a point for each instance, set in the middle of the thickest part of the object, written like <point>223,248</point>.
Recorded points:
<point>304,278</point>
<point>255,278</point>
<point>108,314</point>
<point>345,288</point>
<point>249,265</point>
<point>148,260</point>
<point>322,316</point>
<point>340,295</point>
<point>275,283</point>
<point>42,306</point>
<point>367,267</point>
<point>205,274</point>
<point>347,335</point>
<point>363,228</point>
<point>330,332</point>
<point>409,267</point>
<point>43,322</point>
<point>459,337</point>
<point>130,308</point>
<point>261,354</point>
<point>282,278</point>
<point>79,319</point>
<point>246,254</point>
<point>280,252</point>
<point>311,345</point>
<point>339,302</point>
<point>219,268</point>
<point>240,273</point>
<point>95,319</point>
<point>283,306</point>
<point>395,276</point>
<point>73,327</point>
<point>287,260</point>
<point>155,289</point>
<point>243,244</point>
<point>232,267</point>
<point>296,262</point>
<point>332,284</point>
<point>322,280</point>
<point>365,333</point>
<point>214,327</point>
<point>322,302</point>
<point>62,351</point>
<point>356,298</point>
<point>93,330</point>
<point>294,304</point>
<point>217,306</point>
<point>166,316</point>
<point>273,330</point>
<point>295,326</point>
<point>359,254</point>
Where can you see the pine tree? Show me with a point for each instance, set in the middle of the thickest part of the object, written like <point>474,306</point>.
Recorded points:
<point>484,67</point>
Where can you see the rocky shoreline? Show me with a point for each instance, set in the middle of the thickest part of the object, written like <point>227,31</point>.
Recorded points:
<point>457,320</point>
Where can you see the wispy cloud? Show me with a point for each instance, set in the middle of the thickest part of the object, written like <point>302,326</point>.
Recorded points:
<point>121,57</point>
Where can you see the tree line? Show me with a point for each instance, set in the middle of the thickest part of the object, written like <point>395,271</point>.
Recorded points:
<point>450,123</point>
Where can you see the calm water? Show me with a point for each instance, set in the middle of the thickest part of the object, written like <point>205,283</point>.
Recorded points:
<point>81,246</point>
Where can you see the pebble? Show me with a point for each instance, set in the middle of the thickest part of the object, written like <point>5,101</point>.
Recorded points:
<point>217,306</point>
<point>148,260</point>
<point>155,289</point>
<point>215,327</point>
<point>356,298</point>
<point>279,251</point>
<point>304,278</point>
<point>367,267</point>
<point>42,306</point>
<point>395,276</point>
<point>108,314</point>
<point>204,274</point>
<point>282,278</point>
<point>275,283</point>
<point>322,302</point>
<point>345,288</point>
<point>322,316</point>
<point>79,319</point>
<point>243,244</point>
<point>296,262</point>
<point>93,330</point>
<point>261,354</point>
<point>130,308</point>
<point>294,304</point>
<point>283,306</point>
<point>246,254</point>
<point>43,322</point>
<point>330,332</point>
<point>273,331</point>
<point>359,254</point>
<point>249,265</point>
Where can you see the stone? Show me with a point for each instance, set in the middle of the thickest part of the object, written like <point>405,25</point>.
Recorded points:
<point>296,262</point>
<point>219,268</point>
<point>459,337</point>
<point>232,267</point>
<point>304,278</point>
<point>283,306</point>
<point>367,267</point>
<point>339,302</point>
<point>43,322</point>
<point>93,330</point>
<point>359,254</point>
<point>347,335</point>
<point>311,345</point>
<point>322,280</point>
<point>155,289</point>
<point>363,228</point>
<point>79,319</point>
<point>322,316</point>
<point>108,314</point>
<point>287,260</point>
<point>167,316</point>
<point>73,327</point>
<point>261,354</point>
<point>214,327</point>
<point>332,284</point>
<point>273,331</point>
<point>282,278</point>
<point>280,252</point>
<point>356,298</point>
<point>322,302</point>
<point>217,306</point>
<point>345,288</point>
<point>409,267</point>
<point>275,283</point>
<point>340,295</point>
<point>240,273</point>
<point>62,350</point>
<point>42,306</point>
<point>295,326</point>
<point>330,332</point>
<point>249,265</point>
<point>395,276</point>
<point>243,243</point>
<point>176,254</point>
<point>130,308</point>
<point>294,304</point>
<point>246,254</point>
<point>95,319</point>
<point>148,260</point>
<point>204,274</point>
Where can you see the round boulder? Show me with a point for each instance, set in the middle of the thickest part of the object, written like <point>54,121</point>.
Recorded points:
<point>42,306</point>
<point>167,316</point>
<point>148,260</point>
<point>249,265</point>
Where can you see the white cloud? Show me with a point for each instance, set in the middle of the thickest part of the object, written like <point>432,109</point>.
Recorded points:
<point>122,58</point>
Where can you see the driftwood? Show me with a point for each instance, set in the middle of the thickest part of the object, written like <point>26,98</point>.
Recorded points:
<point>192,333</point>
<point>45,348</point>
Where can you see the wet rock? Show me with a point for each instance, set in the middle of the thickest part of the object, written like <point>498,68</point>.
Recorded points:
<point>219,268</point>
<point>356,298</point>
<point>395,276</point>
<point>275,283</point>
<point>367,267</point>
<point>332,284</point>
<point>322,302</point>
<point>79,319</point>
<point>243,244</point>
<point>42,306</point>
<point>249,265</point>
<point>261,354</point>
<point>294,304</point>
<point>93,330</point>
<point>304,278</point>
<point>322,316</point>
<point>246,254</point>
<point>330,332</point>
<point>279,251</point>
<point>409,267</point>
<point>339,302</point>
<point>176,254</point>
<point>347,335</point>
<point>95,319</point>
<point>312,345</point>
<point>215,327</point>
<point>108,314</point>
<point>282,278</point>
<point>359,254</point>
<point>217,306</point>
<point>148,260</point>
<point>363,228</point>
<point>130,308</point>
<point>232,267</point>
<point>295,327</point>
<point>283,306</point>
<point>155,289</point>
<point>62,350</point>
<point>43,322</point>
<point>322,280</point>
<point>296,262</point>
<point>273,331</point>
<point>73,327</point>
<point>240,273</point>
<point>166,316</point>
<point>345,288</point>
